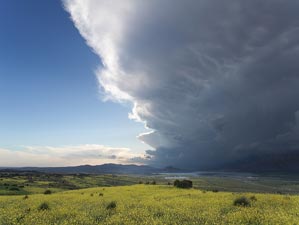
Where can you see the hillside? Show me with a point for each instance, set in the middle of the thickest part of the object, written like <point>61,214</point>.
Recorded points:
<point>109,168</point>
<point>147,204</point>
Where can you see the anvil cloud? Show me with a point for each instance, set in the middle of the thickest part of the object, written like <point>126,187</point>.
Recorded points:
<point>216,81</point>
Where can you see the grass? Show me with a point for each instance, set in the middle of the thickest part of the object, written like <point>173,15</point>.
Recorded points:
<point>15,184</point>
<point>148,204</point>
<point>38,183</point>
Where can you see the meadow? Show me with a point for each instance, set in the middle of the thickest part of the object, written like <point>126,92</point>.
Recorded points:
<point>147,204</point>
<point>40,198</point>
<point>25,183</point>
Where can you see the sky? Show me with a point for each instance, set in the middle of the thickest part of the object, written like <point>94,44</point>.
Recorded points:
<point>215,81</point>
<point>203,84</point>
<point>49,96</point>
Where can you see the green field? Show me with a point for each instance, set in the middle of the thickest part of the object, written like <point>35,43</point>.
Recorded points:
<point>121,199</point>
<point>147,204</point>
<point>17,183</point>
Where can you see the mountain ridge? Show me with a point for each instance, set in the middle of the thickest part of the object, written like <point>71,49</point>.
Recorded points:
<point>109,168</point>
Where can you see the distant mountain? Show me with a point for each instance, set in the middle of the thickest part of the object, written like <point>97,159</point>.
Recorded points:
<point>102,169</point>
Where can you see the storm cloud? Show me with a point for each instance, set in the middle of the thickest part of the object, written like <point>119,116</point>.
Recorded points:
<point>214,81</point>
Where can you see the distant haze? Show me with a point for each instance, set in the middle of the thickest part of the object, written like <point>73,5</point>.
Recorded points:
<point>214,81</point>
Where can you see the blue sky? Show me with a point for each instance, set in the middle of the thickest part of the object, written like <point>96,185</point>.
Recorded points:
<point>49,94</point>
<point>211,84</point>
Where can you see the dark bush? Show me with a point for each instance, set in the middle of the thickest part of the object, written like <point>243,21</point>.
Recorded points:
<point>215,190</point>
<point>176,183</point>
<point>153,182</point>
<point>25,197</point>
<point>91,194</point>
<point>183,184</point>
<point>48,192</point>
<point>44,206</point>
<point>101,194</point>
<point>242,201</point>
<point>111,205</point>
<point>253,198</point>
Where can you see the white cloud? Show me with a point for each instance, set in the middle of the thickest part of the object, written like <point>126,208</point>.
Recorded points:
<point>65,155</point>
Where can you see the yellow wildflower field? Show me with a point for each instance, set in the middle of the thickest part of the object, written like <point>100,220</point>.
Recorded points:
<point>147,204</point>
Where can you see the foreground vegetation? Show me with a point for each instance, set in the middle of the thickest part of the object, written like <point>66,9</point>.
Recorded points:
<point>148,204</point>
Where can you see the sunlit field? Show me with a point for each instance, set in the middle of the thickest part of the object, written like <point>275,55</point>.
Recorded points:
<point>148,204</point>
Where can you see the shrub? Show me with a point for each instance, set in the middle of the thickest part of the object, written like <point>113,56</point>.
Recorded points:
<point>91,194</point>
<point>48,192</point>
<point>183,184</point>
<point>111,205</point>
<point>253,198</point>
<point>140,182</point>
<point>176,183</point>
<point>43,206</point>
<point>25,197</point>
<point>215,190</point>
<point>153,182</point>
<point>101,194</point>
<point>242,201</point>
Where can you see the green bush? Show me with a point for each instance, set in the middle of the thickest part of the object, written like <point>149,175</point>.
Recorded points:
<point>25,197</point>
<point>242,201</point>
<point>253,198</point>
<point>183,183</point>
<point>43,206</point>
<point>111,205</point>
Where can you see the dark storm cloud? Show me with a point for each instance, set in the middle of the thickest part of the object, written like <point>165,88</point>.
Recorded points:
<point>217,81</point>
